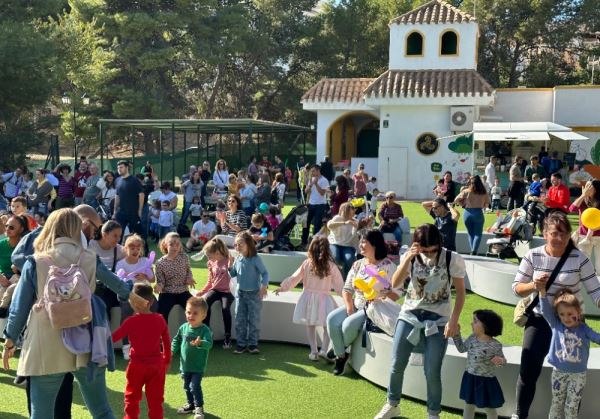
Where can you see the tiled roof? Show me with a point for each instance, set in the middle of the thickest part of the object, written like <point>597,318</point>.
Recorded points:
<point>436,11</point>
<point>338,90</point>
<point>429,83</point>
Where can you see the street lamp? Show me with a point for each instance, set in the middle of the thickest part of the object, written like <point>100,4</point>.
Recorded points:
<point>66,100</point>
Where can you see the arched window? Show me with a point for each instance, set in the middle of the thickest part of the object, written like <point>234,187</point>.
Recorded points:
<point>449,43</point>
<point>414,44</point>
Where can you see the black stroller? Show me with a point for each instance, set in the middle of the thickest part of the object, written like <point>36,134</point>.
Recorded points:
<point>509,229</point>
<point>282,232</point>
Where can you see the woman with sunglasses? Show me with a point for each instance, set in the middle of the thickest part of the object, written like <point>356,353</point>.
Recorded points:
<point>15,228</point>
<point>221,176</point>
<point>432,270</point>
<point>390,214</point>
<point>474,198</point>
<point>234,219</point>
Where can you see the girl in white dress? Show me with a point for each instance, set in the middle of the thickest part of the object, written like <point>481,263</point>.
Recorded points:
<point>319,275</point>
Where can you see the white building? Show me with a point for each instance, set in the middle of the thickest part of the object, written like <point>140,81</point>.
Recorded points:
<point>432,90</point>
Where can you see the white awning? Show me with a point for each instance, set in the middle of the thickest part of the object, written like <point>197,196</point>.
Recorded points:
<point>523,131</point>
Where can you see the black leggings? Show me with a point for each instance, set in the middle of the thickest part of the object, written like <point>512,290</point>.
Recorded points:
<point>536,344</point>
<point>226,299</point>
<point>64,398</point>
<point>167,300</point>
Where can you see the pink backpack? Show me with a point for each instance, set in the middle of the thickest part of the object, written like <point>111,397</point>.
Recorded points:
<point>67,296</point>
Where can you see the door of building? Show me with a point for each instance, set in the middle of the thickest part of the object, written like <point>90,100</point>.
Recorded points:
<point>393,162</point>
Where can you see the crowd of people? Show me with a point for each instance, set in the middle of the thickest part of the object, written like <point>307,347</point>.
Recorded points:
<point>60,254</point>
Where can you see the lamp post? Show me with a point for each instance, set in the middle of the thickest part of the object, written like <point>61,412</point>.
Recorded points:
<point>66,100</point>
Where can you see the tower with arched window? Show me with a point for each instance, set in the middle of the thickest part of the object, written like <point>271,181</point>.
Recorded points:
<point>436,36</point>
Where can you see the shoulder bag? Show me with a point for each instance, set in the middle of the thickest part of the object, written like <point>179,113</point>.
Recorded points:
<point>525,306</point>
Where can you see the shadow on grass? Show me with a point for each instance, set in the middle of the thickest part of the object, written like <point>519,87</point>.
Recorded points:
<point>254,367</point>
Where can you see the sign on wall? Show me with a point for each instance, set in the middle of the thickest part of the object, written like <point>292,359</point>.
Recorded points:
<point>427,144</point>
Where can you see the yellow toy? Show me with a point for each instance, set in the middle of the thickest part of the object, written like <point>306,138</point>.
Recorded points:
<point>376,283</point>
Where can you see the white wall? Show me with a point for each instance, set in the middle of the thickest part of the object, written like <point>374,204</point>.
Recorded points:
<point>467,47</point>
<point>577,105</point>
<point>406,124</point>
<point>521,105</point>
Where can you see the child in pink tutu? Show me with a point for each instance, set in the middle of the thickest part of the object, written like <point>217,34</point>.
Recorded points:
<point>319,275</point>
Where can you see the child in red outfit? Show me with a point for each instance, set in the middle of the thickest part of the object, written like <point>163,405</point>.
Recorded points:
<point>148,364</point>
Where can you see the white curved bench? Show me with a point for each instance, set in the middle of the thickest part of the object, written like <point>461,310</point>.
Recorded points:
<point>373,362</point>
<point>492,279</point>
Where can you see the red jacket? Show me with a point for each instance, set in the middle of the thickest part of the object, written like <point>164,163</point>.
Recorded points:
<point>559,197</point>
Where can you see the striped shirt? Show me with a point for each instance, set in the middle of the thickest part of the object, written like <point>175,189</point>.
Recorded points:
<point>577,272</point>
<point>236,218</point>
<point>66,188</point>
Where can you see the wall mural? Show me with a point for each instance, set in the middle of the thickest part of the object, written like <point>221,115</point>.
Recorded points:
<point>587,161</point>
<point>458,161</point>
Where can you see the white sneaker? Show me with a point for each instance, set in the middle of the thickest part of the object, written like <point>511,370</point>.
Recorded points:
<point>199,413</point>
<point>388,411</point>
<point>125,350</point>
<point>313,356</point>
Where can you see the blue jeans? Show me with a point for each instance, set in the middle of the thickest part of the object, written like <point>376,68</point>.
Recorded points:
<point>247,317</point>
<point>44,389</point>
<point>345,256</point>
<point>192,384</point>
<point>162,231</point>
<point>344,329</point>
<point>474,222</point>
<point>434,350</point>
<point>185,212</point>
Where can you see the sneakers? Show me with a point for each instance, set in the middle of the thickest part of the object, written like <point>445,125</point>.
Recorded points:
<point>253,349</point>
<point>239,350</point>
<point>327,356</point>
<point>199,413</point>
<point>340,365</point>
<point>388,411</point>
<point>126,349</point>
<point>20,381</point>
<point>227,344</point>
<point>313,356</point>
<point>186,409</point>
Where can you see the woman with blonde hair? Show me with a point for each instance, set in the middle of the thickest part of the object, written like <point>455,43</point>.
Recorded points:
<point>44,356</point>
<point>343,238</point>
<point>221,175</point>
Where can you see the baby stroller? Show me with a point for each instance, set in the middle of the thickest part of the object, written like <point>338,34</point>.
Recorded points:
<point>509,229</point>
<point>282,232</point>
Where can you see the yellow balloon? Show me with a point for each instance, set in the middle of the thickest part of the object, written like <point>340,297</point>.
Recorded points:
<point>366,288</point>
<point>590,218</point>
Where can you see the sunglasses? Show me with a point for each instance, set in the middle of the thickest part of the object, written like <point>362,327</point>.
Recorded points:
<point>231,200</point>
<point>389,197</point>
<point>436,207</point>
<point>10,227</point>
<point>205,216</point>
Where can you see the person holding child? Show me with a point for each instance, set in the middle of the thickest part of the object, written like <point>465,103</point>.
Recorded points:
<point>253,280</point>
<point>319,275</point>
<point>432,271</point>
<point>480,387</point>
<point>192,342</point>
<point>202,231</point>
<point>261,231</point>
<point>148,334</point>
<point>173,275</point>
<point>133,267</point>
<point>575,274</point>
<point>218,286</point>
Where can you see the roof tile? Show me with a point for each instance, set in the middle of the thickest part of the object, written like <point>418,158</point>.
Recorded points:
<point>338,90</point>
<point>428,83</point>
<point>435,11</point>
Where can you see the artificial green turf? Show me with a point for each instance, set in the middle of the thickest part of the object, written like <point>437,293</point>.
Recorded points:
<point>281,382</point>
